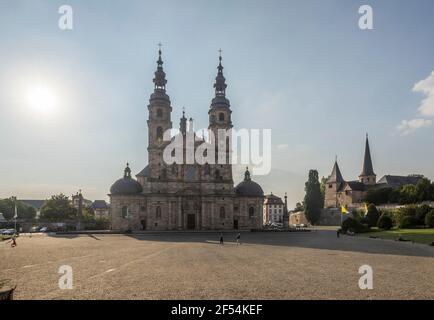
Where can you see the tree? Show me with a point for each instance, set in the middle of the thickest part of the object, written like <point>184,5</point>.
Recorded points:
<point>323,188</point>
<point>24,211</point>
<point>58,208</point>
<point>372,215</point>
<point>421,213</point>
<point>378,196</point>
<point>313,199</point>
<point>429,219</point>
<point>423,190</point>
<point>298,207</point>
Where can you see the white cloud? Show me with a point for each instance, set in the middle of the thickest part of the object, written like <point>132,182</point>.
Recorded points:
<point>426,87</point>
<point>408,126</point>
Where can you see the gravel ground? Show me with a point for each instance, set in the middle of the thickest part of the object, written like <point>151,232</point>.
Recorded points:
<point>313,265</point>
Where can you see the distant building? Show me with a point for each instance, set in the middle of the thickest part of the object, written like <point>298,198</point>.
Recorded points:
<point>273,209</point>
<point>37,204</point>
<point>101,209</point>
<point>297,218</point>
<point>350,194</point>
<point>75,201</point>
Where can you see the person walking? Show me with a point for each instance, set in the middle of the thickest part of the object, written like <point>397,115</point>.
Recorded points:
<point>13,242</point>
<point>221,239</point>
<point>238,238</point>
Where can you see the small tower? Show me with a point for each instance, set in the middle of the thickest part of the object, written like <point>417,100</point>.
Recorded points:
<point>334,182</point>
<point>367,177</point>
<point>159,120</point>
<point>286,213</point>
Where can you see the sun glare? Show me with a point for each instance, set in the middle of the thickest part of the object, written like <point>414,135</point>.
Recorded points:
<point>42,100</point>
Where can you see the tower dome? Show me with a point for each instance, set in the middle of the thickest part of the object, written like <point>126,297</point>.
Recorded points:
<point>126,185</point>
<point>249,188</point>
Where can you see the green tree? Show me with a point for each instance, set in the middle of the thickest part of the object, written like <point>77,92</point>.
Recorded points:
<point>423,190</point>
<point>58,208</point>
<point>323,189</point>
<point>421,212</point>
<point>429,219</point>
<point>378,196</point>
<point>298,207</point>
<point>372,215</point>
<point>313,200</point>
<point>24,211</point>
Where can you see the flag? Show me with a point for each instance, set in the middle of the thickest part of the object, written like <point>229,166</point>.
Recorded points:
<point>344,210</point>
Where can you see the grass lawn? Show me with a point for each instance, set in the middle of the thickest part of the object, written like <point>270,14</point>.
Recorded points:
<point>425,236</point>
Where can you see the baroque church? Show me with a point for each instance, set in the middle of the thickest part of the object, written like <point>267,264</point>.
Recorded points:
<point>186,195</point>
<point>350,194</point>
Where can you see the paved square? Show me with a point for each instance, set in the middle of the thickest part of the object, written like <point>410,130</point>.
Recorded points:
<point>313,265</point>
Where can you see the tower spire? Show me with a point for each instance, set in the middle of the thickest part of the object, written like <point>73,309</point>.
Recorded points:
<point>368,169</point>
<point>368,175</point>
<point>220,81</point>
<point>160,76</point>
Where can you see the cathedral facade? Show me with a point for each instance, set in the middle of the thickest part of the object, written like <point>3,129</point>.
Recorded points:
<point>185,195</point>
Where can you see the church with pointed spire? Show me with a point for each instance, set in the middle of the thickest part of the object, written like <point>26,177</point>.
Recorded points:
<point>187,195</point>
<point>350,194</point>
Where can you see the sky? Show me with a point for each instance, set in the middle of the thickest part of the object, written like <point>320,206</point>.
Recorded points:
<point>302,68</point>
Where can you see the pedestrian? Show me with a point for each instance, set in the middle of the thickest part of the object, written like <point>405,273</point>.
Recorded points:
<point>13,242</point>
<point>238,238</point>
<point>221,239</point>
<point>338,232</point>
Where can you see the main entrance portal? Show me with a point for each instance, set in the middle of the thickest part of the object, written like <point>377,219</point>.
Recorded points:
<point>191,221</point>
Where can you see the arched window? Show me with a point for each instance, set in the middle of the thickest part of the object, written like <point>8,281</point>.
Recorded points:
<point>222,213</point>
<point>125,212</point>
<point>221,116</point>
<point>159,113</point>
<point>251,212</point>
<point>159,133</point>
<point>158,213</point>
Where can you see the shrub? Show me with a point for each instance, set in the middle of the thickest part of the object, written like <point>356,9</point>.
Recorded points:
<point>353,225</point>
<point>429,219</point>
<point>406,217</point>
<point>408,222</point>
<point>421,212</point>
<point>385,222</point>
<point>372,216</point>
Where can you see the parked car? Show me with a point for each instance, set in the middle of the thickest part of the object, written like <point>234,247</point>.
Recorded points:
<point>35,229</point>
<point>8,232</point>
<point>44,229</point>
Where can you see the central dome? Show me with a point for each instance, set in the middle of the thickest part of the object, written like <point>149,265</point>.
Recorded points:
<point>126,185</point>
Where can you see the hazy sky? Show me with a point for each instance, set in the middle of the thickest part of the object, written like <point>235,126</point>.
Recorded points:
<point>302,68</point>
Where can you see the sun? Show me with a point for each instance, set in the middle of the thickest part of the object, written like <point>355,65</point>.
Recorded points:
<point>42,100</point>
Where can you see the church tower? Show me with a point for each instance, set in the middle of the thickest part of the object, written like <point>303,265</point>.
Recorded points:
<point>334,182</point>
<point>368,177</point>
<point>158,122</point>
<point>220,118</point>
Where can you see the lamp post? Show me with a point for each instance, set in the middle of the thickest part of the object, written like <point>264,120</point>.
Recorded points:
<point>15,213</point>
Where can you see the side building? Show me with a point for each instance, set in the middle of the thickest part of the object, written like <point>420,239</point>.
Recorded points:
<point>350,194</point>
